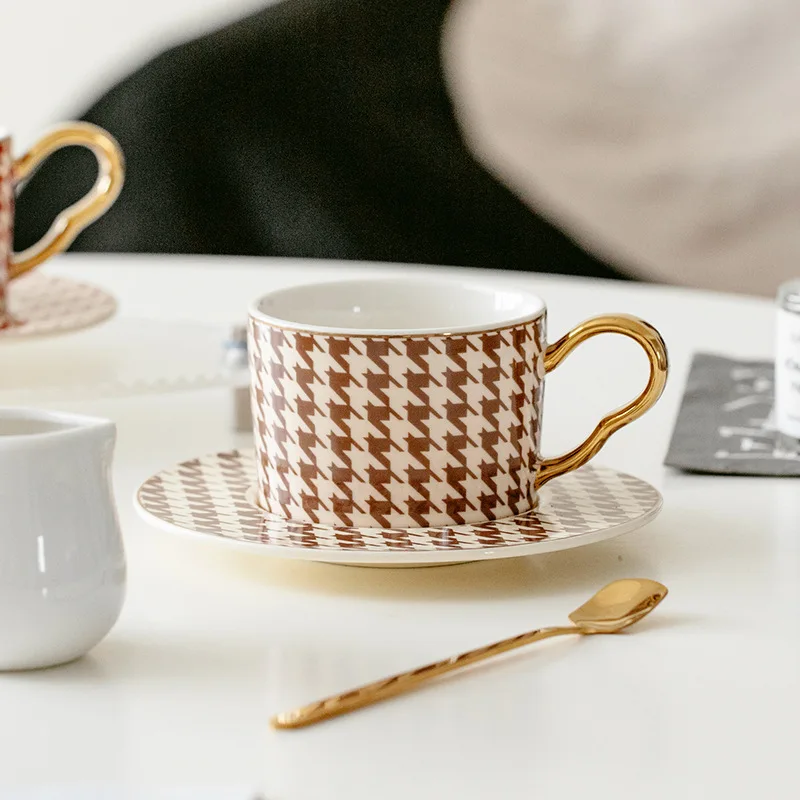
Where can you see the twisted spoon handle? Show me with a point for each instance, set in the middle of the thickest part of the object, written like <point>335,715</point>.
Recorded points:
<point>405,681</point>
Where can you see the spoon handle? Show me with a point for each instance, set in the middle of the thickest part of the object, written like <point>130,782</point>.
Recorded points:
<point>405,681</point>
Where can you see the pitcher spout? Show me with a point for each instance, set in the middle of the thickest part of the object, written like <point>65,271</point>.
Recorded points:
<point>26,428</point>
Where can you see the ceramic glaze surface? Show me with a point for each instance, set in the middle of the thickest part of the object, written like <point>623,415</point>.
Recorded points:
<point>392,306</point>
<point>397,431</point>
<point>62,565</point>
<point>71,221</point>
<point>402,403</point>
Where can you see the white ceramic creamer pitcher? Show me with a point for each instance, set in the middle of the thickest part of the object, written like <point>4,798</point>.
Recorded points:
<point>62,563</point>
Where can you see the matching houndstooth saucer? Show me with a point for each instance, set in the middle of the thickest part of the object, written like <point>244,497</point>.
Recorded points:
<point>45,305</point>
<point>213,497</point>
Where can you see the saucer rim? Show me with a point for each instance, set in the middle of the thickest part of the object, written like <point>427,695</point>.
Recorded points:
<point>28,330</point>
<point>407,558</point>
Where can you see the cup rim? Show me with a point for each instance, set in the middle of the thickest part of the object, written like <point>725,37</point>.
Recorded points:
<point>257,315</point>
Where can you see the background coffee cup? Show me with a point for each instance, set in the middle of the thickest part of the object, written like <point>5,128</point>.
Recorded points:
<point>399,403</point>
<point>70,222</point>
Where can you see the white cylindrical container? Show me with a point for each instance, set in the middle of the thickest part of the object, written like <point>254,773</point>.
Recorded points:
<point>62,563</point>
<point>237,368</point>
<point>787,367</point>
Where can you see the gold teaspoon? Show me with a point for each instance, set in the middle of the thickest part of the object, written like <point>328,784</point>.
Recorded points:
<point>613,608</point>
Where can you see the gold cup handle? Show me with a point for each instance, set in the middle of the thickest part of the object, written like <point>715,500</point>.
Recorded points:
<point>70,222</point>
<point>651,342</point>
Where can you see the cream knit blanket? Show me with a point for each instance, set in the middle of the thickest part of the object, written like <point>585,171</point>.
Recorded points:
<point>662,133</point>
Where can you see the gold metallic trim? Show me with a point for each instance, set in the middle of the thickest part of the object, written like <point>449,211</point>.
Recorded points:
<point>651,342</point>
<point>70,222</point>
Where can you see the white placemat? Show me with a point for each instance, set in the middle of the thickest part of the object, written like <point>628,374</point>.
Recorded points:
<point>122,357</point>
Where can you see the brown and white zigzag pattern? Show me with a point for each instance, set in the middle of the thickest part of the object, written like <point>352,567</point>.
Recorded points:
<point>43,305</point>
<point>212,495</point>
<point>397,431</point>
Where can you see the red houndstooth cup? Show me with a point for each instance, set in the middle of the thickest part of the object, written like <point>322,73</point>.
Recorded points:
<point>401,403</point>
<point>70,222</point>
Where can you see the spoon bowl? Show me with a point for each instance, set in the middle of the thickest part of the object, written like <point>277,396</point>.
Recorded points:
<point>618,605</point>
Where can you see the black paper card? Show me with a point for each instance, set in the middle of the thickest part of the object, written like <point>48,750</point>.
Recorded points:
<point>724,424</point>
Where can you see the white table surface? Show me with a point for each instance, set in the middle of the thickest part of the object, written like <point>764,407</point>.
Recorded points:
<point>702,700</point>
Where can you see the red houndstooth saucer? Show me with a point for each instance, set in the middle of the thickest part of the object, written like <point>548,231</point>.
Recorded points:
<point>213,496</point>
<point>45,305</point>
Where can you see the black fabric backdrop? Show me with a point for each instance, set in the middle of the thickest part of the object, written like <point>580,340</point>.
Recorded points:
<point>316,128</point>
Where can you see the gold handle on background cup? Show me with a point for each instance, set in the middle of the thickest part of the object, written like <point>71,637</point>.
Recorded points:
<point>70,222</point>
<point>651,342</point>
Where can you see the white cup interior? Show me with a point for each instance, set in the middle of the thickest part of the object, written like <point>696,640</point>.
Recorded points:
<point>397,306</point>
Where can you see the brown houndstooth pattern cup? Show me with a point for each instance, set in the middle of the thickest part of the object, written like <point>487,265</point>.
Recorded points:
<point>404,403</point>
<point>72,220</point>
